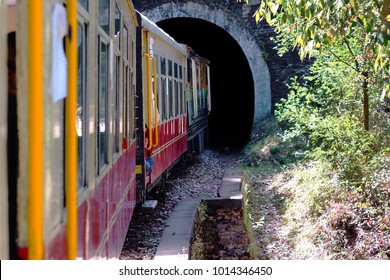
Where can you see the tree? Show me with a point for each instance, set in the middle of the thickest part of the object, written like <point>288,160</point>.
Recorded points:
<point>321,24</point>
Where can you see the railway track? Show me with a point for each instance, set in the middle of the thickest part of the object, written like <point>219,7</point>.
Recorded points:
<point>201,179</point>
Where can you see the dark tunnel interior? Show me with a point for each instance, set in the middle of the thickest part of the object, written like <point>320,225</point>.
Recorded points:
<point>232,87</point>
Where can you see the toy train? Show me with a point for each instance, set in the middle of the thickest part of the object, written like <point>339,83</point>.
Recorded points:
<point>101,105</point>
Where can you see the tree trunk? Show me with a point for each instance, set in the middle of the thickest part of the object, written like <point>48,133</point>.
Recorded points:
<point>365,101</point>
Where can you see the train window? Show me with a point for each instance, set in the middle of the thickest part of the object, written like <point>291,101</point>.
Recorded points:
<point>169,67</point>
<point>182,99</point>
<point>176,72</point>
<point>163,66</point>
<point>176,97</point>
<point>170,89</point>
<point>125,102</point>
<point>176,83</point>
<point>170,98</point>
<point>164,87</point>
<point>204,85</point>
<point>116,105</point>
<point>189,71</point>
<point>81,116</point>
<point>104,15</point>
<point>102,105</point>
<point>84,3</point>
<point>117,23</point>
<point>125,43</point>
<point>199,87</point>
<point>163,98</point>
<point>194,85</point>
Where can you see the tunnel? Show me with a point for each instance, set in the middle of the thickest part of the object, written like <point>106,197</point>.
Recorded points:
<point>232,86</point>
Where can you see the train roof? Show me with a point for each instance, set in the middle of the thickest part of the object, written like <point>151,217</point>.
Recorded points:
<point>193,55</point>
<point>152,27</point>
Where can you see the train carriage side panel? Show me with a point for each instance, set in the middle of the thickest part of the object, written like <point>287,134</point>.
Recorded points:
<point>198,102</point>
<point>109,206</point>
<point>106,188</point>
<point>164,116</point>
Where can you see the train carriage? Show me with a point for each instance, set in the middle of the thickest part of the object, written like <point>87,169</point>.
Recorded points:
<point>95,90</point>
<point>198,101</point>
<point>75,191</point>
<point>162,114</point>
<point>106,157</point>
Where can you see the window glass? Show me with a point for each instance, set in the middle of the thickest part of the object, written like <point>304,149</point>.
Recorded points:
<point>131,51</point>
<point>117,22</point>
<point>102,105</point>
<point>164,88</point>
<point>170,98</point>
<point>170,68</point>
<point>163,98</point>
<point>176,98</point>
<point>163,66</point>
<point>125,103</point>
<point>116,105</point>
<point>81,106</point>
<point>189,70</point>
<point>125,43</point>
<point>84,3</point>
<point>104,15</point>
<point>199,88</point>
<point>175,70</point>
<point>182,99</point>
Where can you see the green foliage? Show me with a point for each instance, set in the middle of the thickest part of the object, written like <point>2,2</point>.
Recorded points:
<point>202,212</point>
<point>346,182</point>
<point>198,244</point>
<point>325,109</point>
<point>334,207</point>
<point>319,23</point>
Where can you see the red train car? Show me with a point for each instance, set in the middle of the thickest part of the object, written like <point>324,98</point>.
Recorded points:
<point>161,112</point>
<point>173,111</point>
<point>75,190</point>
<point>82,120</point>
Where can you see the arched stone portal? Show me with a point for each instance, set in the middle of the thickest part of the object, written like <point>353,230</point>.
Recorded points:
<point>259,69</point>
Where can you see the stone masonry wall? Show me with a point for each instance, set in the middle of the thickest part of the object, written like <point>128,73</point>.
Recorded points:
<point>280,69</point>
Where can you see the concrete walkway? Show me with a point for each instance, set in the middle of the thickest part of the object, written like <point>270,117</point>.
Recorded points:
<point>176,238</point>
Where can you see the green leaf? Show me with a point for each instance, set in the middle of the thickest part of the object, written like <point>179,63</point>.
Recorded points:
<point>257,16</point>
<point>268,17</point>
<point>360,22</point>
<point>274,8</point>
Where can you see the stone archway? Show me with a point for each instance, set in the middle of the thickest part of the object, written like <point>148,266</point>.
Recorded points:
<point>249,46</point>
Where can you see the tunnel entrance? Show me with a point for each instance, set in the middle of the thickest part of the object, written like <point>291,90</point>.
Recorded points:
<point>232,86</point>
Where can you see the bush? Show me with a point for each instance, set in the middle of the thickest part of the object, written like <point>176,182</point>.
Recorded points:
<point>326,109</point>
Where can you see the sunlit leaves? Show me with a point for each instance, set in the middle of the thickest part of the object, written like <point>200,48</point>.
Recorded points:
<point>320,23</point>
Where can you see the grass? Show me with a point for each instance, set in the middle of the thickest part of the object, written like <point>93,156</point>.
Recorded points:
<point>297,208</point>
